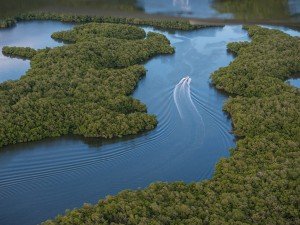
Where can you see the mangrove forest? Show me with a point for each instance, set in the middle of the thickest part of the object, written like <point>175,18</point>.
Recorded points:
<point>259,182</point>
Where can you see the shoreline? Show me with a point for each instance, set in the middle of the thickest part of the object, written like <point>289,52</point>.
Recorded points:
<point>164,17</point>
<point>159,16</point>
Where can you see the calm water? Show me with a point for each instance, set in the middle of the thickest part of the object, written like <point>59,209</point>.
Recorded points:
<point>294,82</point>
<point>284,10</point>
<point>41,179</point>
<point>229,9</point>
<point>36,35</point>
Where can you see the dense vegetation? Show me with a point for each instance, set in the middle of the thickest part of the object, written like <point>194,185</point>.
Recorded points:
<point>163,24</point>
<point>22,52</point>
<point>82,88</point>
<point>261,67</point>
<point>94,30</point>
<point>8,22</point>
<point>259,183</point>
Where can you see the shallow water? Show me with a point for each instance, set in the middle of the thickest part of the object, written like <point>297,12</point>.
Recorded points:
<point>40,180</point>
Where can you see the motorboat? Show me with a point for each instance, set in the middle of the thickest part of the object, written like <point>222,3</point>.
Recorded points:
<point>185,79</point>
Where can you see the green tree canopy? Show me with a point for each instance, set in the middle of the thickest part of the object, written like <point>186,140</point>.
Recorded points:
<point>259,182</point>
<point>82,88</point>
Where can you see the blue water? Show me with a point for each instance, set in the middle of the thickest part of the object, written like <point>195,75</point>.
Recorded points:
<point>183,8</point>
<point>218,9</point>
<point>289,31</point>
<point>41,179</point>
<point>37,35</point>
<point>294,82</point>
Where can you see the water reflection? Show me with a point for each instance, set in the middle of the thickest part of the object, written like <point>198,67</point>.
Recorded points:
<point>294,6</point>
<point>184,8</point>
<point>283,10</point>
<point>183,4</point>
<point>256,9</point>
<point>230,9</point>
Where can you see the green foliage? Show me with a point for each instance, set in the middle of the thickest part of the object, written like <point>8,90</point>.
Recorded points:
<point>259,183</point>
<point>94,30</point>
<point>81,88</point>
<point>26,53</point>
<point>277,113</point>
<point>260,66</point>
<point>162,24</point>
<point>234,47</point>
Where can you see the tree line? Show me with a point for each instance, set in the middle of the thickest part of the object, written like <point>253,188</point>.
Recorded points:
<point>162,24</point>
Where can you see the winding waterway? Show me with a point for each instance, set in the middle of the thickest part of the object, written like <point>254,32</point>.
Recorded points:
<point>41,179</point>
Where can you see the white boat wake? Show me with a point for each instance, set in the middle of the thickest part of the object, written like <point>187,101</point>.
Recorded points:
<point>186,108</point>
<point>182,96</point>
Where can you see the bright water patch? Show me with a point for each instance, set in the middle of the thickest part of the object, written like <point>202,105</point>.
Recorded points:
<point>41,179</point>
<point>35,34</point>
<point>184,8</point>
<point>294,82</point>
<point>287,30</point>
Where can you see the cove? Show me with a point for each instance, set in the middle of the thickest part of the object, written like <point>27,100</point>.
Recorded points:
<point>41,179</point>
<point>36,34</point>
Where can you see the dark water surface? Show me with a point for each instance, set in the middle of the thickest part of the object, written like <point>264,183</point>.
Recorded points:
<point>41,179</point>
<point>283,10</point>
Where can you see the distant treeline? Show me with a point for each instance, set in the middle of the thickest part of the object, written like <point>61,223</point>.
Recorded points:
<point>163,24</point>
<point>259,182</point>
<point>81,88</point>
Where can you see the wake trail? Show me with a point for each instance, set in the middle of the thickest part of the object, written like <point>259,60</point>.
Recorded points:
<point>187,109</point>
<point>176,95</point>
<point>182,96</point>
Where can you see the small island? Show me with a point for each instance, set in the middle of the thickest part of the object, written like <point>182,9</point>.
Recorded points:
<point>82,88</point>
